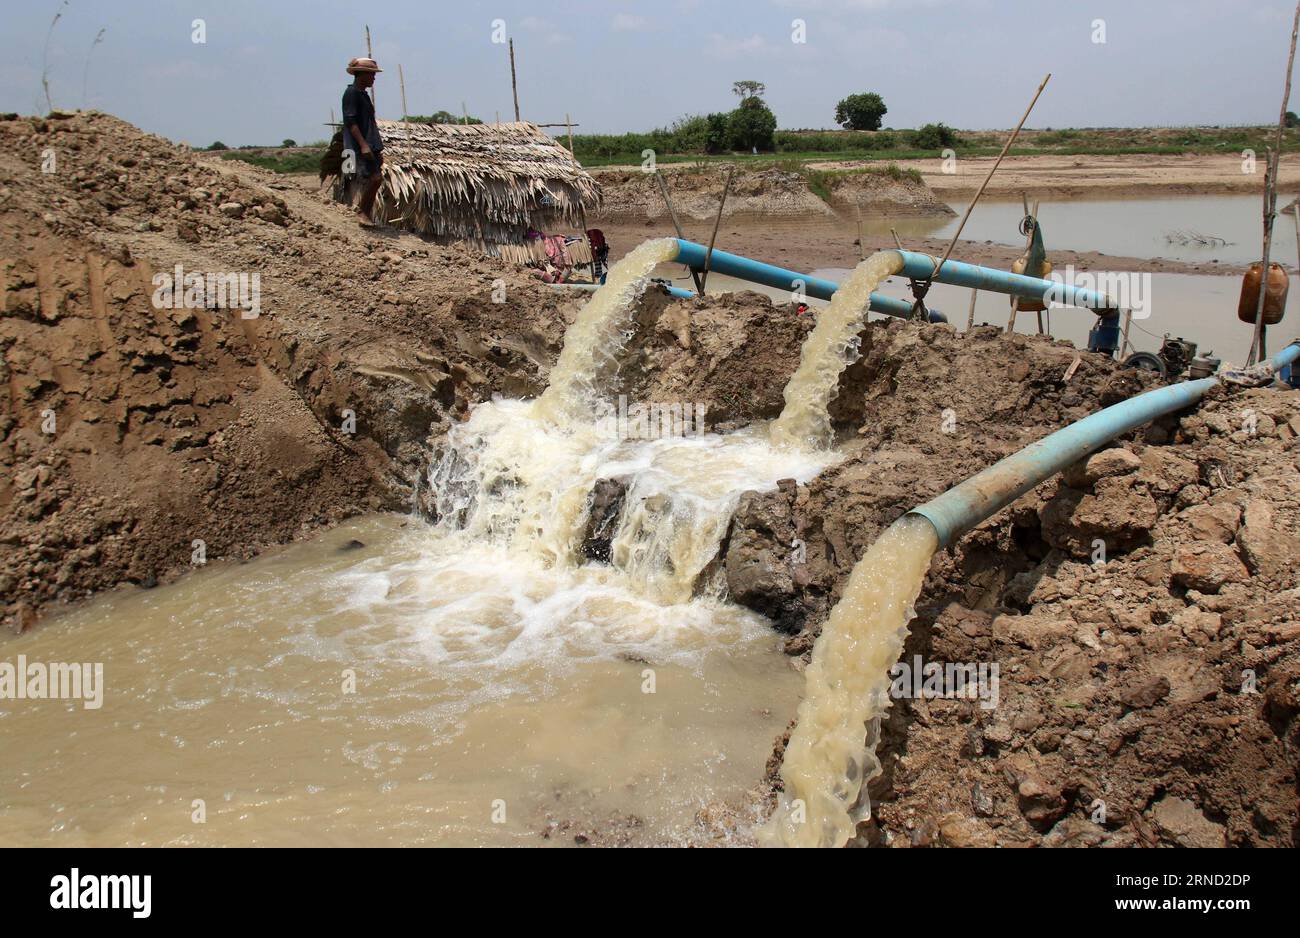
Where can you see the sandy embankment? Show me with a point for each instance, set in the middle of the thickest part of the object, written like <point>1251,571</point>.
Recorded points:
<point>789,225</point>
<point>1104,177</point>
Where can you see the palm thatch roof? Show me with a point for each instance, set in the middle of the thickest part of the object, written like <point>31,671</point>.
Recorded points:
<point>485,184</point>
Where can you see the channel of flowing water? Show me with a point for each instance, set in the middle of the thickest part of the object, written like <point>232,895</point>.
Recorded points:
<point>477,681</point>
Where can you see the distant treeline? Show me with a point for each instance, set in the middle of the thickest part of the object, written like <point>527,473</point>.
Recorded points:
<point>683,141</point>
<point>707,135</point>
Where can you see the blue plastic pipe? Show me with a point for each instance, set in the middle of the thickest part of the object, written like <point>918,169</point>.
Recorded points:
<point>915,266</point>
<point>921,267</point>
<point>742,268</point>
<point>983,495</point>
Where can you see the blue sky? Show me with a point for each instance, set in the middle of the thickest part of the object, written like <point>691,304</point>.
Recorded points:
<point>273,69</point>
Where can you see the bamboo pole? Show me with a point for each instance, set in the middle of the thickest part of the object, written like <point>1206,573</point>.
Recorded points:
<point>970,317</point>
<point>672,213</point>
<point>708,255</point>
<point>401,80</point>
<point>987,179</point>
<point>862,247</point>
<point>582,218</point>
<point>1295,213</point>
<point>1258,340</point>
<point>569,127</point>
<point>370,55</point>
<point>1124,342</point>
<point>464,113</point>
<point>514,86</point>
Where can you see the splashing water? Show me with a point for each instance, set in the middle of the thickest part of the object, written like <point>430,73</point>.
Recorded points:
<point>592,343</point>
<point>805,420</point>
<point>508,479</point>
<point>831,754</point>
<point>520,475</point>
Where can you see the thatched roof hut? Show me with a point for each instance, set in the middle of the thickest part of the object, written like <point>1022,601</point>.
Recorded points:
<point>484,184</point>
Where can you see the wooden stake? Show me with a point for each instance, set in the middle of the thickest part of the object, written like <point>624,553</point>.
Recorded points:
<point>1295,212</point>
<point>569,126</point>
<point>370,54</point>
<point>708,255</point>
<point>1124,345</point>
<point>514,86</point>
<point>897,240</point>
<point>984,185</point>
<point>464,113</point>
<point>862,247</point>
<point>672,213</point>
<point>1257,342</point>
<point>1015,308</point>
<point>582,218</point>
<point>401,80</point>
<point>970,317</point>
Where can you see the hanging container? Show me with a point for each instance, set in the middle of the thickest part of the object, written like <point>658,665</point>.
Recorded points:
<point>1274,299</point>
<point>1029,304</point>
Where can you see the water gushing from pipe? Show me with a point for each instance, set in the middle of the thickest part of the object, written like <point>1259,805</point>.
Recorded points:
<point>592,343</point>
<point>831,754</point>
<point>519,475</point>
<point>805,420</point>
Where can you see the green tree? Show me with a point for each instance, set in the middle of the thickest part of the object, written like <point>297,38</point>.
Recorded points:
<point>934,137</point>
<point>750,126</point>
<point>700,133</point>
<point>218,145</point>
<point>861,111</point>
<point>288,142</point>
<point>442,117</point>
<point>748,89</point>
<point>1292,120</point>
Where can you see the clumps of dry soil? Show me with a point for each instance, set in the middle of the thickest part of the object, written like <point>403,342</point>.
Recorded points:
<point>1141,607</point>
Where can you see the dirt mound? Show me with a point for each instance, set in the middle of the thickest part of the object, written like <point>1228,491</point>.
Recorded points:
<point>921,410</point>
<point>1141,608</point>
<point>882,194</point>
<point>769,192</point>
<point>134,428</point>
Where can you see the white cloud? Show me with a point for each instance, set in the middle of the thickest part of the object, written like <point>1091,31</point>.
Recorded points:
<point>628,22</point>
<point>724,47</point>
<point>544,28</point>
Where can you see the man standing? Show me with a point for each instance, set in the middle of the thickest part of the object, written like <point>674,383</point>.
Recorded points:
<point>361,136</point>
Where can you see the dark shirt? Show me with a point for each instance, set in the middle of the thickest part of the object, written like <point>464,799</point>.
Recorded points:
<point>358,109</point>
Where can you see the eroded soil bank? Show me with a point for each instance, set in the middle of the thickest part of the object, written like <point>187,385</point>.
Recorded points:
<point>1163,683</point>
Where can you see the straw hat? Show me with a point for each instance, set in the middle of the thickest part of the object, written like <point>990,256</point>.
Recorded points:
<point>363,64</point>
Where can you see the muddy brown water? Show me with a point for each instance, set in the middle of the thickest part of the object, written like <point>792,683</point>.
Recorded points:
<point>1128,227</point>
<point>1134,227</point>
<point>492,697</point>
